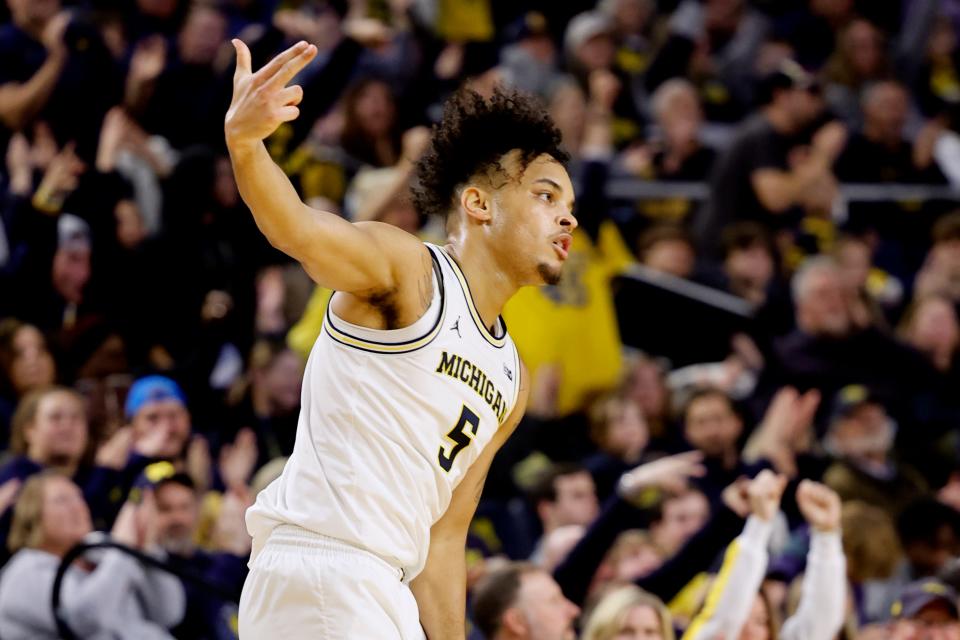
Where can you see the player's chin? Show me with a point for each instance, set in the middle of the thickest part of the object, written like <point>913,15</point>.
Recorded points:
<point>550,273</point>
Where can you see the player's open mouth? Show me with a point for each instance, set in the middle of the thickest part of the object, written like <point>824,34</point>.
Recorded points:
<point>562,246</point>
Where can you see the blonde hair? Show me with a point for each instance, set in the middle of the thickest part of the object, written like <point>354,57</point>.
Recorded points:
<point>870,541</point>
<point>608,616</point>
<point>26,530</point>
<point>629,542</point>
<point>26,413</point>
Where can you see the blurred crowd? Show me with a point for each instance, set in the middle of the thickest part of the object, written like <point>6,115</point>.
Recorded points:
<point>744,414</point>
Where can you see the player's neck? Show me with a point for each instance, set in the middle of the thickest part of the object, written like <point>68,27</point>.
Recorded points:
<point>490,285</point>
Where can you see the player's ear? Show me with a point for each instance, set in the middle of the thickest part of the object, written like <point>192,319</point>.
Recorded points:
<point>477,203</point>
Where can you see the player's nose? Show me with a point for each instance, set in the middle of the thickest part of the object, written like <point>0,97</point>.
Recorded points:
<point>568,222</point>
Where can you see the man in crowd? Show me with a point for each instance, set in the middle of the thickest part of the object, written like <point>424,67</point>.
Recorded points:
<point>522,602</point>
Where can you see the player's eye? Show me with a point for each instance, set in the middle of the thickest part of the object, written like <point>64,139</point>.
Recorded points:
<point>546,196</point>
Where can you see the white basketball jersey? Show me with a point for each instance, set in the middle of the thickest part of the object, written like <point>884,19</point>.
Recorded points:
<point>390,422</point>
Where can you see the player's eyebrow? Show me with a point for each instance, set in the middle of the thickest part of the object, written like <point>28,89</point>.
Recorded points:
<point>550,182</point>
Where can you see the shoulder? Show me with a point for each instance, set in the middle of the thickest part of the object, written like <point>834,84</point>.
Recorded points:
<point>407,253</point>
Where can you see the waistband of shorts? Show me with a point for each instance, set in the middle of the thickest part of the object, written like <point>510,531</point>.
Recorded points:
<point>291,535</point>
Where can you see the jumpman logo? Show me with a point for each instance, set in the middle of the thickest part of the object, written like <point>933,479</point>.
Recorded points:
<point>456,327</point>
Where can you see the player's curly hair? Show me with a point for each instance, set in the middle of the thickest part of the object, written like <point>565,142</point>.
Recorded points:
<point>471,138</point>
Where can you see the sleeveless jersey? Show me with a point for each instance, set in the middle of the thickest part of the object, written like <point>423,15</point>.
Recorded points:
<point>390,421</point>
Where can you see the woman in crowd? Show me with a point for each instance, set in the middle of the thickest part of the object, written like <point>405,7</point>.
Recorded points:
<point>629,613</point>
<point>115,598</point>
<point>25,364</point>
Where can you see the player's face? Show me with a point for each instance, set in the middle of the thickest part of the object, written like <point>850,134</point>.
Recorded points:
<point>535,219</point>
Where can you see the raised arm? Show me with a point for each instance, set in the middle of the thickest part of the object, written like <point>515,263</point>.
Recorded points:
<point>823,602</point>
<point>370,260</point>
<point>441,588</point>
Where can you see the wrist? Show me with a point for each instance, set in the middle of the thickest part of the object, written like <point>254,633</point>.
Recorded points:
<point>241,148</point>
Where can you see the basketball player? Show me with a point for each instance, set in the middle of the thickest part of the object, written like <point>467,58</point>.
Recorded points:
<point>414,383</point>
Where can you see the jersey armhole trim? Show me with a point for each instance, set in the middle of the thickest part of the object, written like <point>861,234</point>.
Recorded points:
<point>497,342</point>
<point>406,346</point>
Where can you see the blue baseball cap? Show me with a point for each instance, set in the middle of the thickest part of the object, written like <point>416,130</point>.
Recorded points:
<point>152,389</point>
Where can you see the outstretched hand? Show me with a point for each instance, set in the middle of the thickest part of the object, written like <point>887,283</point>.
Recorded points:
<point>262,101</point>
<point>669,474</point>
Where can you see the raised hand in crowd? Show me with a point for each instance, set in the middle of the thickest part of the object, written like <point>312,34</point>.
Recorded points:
<point>199,463</point>
<point>230,529</point>
<point>146,64</point>
<point>414,144</point>
<point>59,181</point>
<point>52,35</point>
<point>736,497</point>
<point>764,494</point>
<point>669,474</point>
<point>786,430</point>
<point>112,136</point>
<point>237,460</point>
<point>820,505</point>
<point>19,166</point>
<point>115,452</point>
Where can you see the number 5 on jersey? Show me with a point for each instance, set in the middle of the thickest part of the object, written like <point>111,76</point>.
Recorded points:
<point>460,437</point>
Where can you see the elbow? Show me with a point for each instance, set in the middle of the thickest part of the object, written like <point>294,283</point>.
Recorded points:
<point>13,118</point>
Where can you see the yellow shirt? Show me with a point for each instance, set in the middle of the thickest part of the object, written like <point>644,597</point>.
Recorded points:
<point>574,325</point>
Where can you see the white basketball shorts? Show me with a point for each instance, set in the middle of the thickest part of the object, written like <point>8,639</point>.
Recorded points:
<point>303,585</point>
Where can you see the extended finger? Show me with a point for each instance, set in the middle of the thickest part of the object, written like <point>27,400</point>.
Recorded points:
<point>293,66</point>
<point>286,114</point>
<point>291,95</point>
<point>274,66</point>
<point>243,60</point>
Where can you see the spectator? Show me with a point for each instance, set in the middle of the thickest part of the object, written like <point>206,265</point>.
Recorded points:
<point>879,152</point>
<point>521,601</point>
<point>712,426</point>
<point>860,58</point>
<point>875,292</point>
<point>25,365</point>
<point>628,613</point>
<point>632,556</point>
<point>749,265</point>
<point>861,436</point>
<point>267,400</point>
<point>667,249</point>
<point>940,273</point>
<point>679,117</point>
<point>931,327</point>
<point>208,614</point>
<point>190,85</point>
<point>874,558</point>
<point>589,46</point>
<point>620,431</point>
<point>116,598</point>
<point>930,535</point>
<point>157,411</point>
<point>564,495</point>
<point>926,609</point>
<point>758,178</point>
<point>680,515</point>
